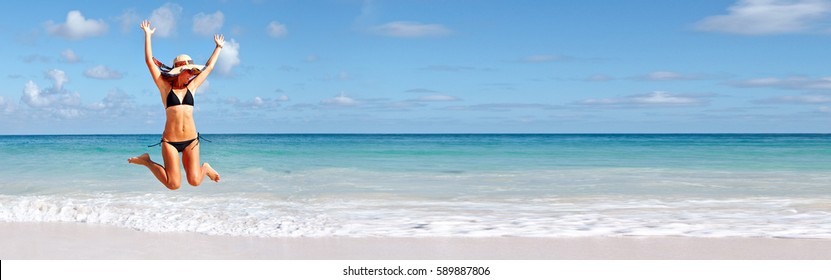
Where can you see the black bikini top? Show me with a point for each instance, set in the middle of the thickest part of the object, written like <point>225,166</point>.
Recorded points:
<point>173,100</point>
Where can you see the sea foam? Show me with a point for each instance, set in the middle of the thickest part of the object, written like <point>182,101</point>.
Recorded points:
<point>255,215</point>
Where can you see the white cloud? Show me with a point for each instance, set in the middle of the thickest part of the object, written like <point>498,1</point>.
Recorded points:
<point>341,100</point>
<point>397,105</point>
<point>257,102</point>
<point>812,99</point>
<point>664,76</point>
<point>368,12</point>
<point>63,104</point>
<point>437,97</point>
<point>409,29</point>
<point>228,58</point>
<point>673,76</point>
<point>59,103</point>
<point>67,113</point>
<point>801,83</point>
<point>237,30</point>
<point>32,95</point>
<point>36,58</point>
<point>664,98</point>
<point>102,72</point>
<point>653,99</point>
<point>69,56</point>
<point>58,78</point>
<point>128,20</point>
<point>502,107</point>
<point>6,106</point>
<point>824,109</point>
<point>599,78</point>
<point>759,17</point>
<point>204,88</point>
<point>116,103</point>
<point>55,97</point>
<point>164,19</point>
<point>76,27</point>
<point>312,58</point>
<point>276,29</point>
<point>208,24</point>
<point>797,99</point>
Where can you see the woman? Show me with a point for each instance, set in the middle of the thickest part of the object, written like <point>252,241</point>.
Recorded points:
<point>176,86</point>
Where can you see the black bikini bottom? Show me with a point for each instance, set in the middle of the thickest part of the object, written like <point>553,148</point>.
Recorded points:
<point>181,145</point>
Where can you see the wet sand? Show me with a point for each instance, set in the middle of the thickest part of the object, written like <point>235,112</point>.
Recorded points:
<point>82,241</point>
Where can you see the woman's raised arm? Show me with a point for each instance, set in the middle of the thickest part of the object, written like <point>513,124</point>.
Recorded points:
<point>148,54</point>
<point>219,39</point>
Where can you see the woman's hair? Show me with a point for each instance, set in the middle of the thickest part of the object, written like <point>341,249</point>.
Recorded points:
<point>183,78</point>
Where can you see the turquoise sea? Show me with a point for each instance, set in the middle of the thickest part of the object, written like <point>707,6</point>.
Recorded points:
<point>466,185</point>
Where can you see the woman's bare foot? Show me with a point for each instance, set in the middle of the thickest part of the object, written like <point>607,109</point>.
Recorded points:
<point>211,172</point>
<point>143,159</point>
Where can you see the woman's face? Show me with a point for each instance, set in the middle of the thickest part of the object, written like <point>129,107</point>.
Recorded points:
<point>181,80</point>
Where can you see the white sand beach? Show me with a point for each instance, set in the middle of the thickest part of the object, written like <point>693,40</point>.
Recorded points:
<point>82,241</point>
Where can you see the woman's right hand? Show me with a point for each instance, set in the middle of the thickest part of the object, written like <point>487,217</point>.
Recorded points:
<point>145,25</point>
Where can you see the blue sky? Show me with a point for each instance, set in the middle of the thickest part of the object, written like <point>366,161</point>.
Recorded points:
<point>351,66</point>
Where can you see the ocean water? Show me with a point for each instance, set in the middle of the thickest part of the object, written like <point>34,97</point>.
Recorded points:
<point>464,185</point>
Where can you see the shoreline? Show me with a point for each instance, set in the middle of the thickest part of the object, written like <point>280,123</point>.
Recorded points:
<point>440,133</point>
<point>84,241</point>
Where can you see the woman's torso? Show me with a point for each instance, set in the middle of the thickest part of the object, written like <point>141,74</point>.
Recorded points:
<point>179,124</point>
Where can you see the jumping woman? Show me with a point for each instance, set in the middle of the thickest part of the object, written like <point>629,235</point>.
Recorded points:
<point>176,87</point>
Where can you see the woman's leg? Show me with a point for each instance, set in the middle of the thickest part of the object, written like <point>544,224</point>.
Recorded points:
<point>195,173</point>
<point>169,174</point>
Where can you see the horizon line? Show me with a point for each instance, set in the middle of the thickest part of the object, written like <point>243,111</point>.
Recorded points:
<point>446,133</point>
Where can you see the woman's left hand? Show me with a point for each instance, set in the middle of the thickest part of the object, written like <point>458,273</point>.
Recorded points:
<point>219,39</point>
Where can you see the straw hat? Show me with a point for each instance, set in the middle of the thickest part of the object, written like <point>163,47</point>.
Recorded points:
<point>184,62</point>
